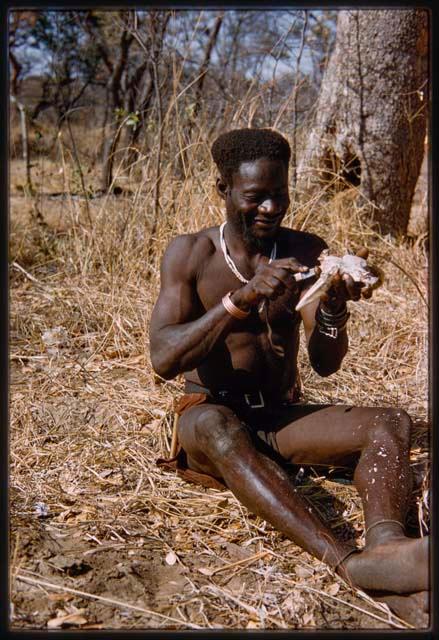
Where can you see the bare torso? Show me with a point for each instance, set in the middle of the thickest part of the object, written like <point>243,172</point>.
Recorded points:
<point>245,359</point>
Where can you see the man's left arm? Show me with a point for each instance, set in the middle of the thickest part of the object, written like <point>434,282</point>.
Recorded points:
<point>325,324</point>
<point>326,346</point>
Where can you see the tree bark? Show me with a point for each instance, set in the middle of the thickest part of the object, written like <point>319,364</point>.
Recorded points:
<point>419,219</point>
<point>205,65</point>
<point>114,84</point>
<point>25,142</point>
<point>371,114</point>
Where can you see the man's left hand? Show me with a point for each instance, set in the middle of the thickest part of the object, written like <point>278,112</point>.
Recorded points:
<point>345,288</point>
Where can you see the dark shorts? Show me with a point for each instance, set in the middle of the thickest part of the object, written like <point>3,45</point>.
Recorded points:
<point>261,422</point>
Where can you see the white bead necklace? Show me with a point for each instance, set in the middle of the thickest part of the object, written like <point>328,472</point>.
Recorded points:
<point>232,266</point>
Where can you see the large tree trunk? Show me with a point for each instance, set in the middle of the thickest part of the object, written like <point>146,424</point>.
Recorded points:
<point>419,222</point>
<point>371,114</point>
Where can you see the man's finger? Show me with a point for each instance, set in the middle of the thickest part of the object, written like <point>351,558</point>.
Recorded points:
<point>291,264</point>
<point>274,282</point>
<point>336,281</point>
<point>304,275</point>
<point>353,288</point>
<point>263,259</point>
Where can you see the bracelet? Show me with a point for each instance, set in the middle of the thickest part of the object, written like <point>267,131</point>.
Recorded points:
<point>331,332</point>
<point>385,522</point>
<point>232,309</point>
<point>330,324</point>
<point>331,315</point>
<point>332,319</point>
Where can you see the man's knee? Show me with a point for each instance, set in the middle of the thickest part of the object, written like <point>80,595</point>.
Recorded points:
<point>393,425</point>
<point>219,432</point>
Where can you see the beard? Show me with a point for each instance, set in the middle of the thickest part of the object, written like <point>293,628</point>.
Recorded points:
<point>252,242</point>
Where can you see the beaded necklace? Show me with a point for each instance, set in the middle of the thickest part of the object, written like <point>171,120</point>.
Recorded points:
<point>232,266</point>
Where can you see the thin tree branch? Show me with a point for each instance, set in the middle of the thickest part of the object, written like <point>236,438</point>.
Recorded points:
<point>296,85</point>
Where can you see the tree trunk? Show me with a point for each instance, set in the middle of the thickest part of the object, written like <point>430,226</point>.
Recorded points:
<point>183,160</point>
<point>25,142</point>
<point>418,222</point>
<point>205,66</point>
<point>371,114</point>
<point>112,139</point>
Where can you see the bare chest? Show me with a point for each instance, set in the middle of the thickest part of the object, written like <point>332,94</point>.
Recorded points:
<point>216,279</point>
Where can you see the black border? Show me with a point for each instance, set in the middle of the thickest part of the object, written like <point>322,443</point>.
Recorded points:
<point>433,632</point>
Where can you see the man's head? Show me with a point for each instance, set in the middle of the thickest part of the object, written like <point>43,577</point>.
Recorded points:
<point>233,148</point>
<point>253,166</point>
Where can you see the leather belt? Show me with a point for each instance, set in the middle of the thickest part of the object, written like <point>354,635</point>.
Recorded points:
<point>253,399</point>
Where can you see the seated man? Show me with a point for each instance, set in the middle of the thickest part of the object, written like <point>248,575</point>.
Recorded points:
<point>226,318</point>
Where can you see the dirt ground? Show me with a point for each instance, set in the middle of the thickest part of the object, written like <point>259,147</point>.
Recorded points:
<point>111,542</point>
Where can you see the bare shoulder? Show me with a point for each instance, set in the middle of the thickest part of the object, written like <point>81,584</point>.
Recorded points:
<point>186,253</point>
<point>303,245</point>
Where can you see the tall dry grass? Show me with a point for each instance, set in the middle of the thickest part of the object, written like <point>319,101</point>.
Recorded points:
<point>89,416</point>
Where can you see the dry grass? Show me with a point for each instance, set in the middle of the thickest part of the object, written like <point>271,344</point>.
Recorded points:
<point>89,418</point>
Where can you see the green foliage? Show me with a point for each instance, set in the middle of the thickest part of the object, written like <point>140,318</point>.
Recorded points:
<point>132,119</point>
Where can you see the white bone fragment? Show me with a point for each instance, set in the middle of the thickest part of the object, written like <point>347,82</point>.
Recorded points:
<point>330,266</point>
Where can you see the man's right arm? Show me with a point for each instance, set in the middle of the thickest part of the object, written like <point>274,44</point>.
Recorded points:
<point>182,334</point>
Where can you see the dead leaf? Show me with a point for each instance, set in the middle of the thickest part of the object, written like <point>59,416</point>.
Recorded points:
<point>236,585</point>
<point>253,625</point>
<point>205,571</point>
<point>76,514</point>
<point>70,483</point>
<point>59,597</point>
<point>333,589</point>
<point>303,572</point>
<point>71,620</point>
<point>171,558</point>
<point>237,552</point>
<point>93,626</point>
<point>70,565</point>
<point>106,472</point>
<point>136,359</point>
<point>294,603</point>
<point>308,618</point>
<point>71,609</point>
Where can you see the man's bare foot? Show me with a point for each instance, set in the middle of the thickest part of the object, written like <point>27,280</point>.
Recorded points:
<point>398,565</point>
<point>414,608</point>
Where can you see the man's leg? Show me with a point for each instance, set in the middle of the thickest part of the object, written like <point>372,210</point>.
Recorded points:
<point>217,443</point>
<point>390,561</point>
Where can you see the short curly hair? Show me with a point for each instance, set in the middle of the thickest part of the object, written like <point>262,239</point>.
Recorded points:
<point>234,147</point>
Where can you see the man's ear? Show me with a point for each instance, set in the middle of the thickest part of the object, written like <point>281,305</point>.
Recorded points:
<point>221,188</point>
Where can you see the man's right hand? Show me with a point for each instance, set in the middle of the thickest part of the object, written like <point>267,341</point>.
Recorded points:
<point>270,281</point>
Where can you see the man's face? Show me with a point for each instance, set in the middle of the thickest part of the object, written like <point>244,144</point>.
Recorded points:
<point>257,199</point>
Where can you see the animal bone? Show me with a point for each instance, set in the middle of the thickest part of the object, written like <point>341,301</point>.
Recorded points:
<point>330,266</point>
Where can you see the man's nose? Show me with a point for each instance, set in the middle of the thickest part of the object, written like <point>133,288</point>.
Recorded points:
<point>270,206</point>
